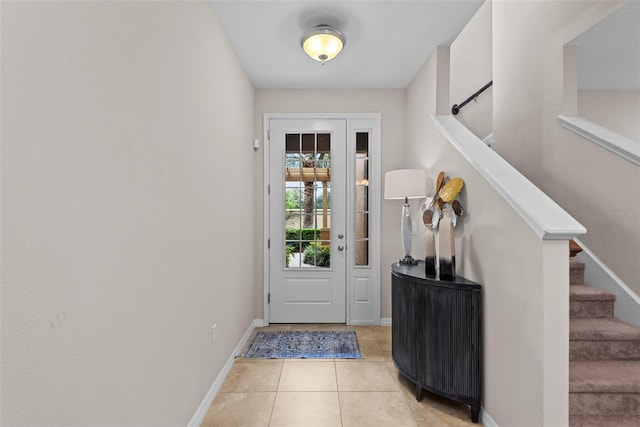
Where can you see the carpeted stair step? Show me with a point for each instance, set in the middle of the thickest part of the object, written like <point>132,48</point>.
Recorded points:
<point>603,339</point>
<point>595,421</point>
<point>604,388</point>
<point>576,272</point>
<point>587,301</point>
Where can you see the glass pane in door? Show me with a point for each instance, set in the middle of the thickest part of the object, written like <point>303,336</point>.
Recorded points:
<point>307,201</point>
<point>362,213</point>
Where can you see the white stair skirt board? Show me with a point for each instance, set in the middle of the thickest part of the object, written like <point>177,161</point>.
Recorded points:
<point>202,410</point>
<point>598,275</point>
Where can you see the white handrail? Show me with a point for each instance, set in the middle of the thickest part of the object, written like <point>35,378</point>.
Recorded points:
<point>543,215</point>
<point>604,137</point>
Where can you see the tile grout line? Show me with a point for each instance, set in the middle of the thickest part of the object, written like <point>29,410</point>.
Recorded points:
<point>275,397</point>
<point>335,371</point>
<point>403,396</point>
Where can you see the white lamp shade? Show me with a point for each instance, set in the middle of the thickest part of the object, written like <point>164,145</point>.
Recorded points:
<point>401,183</point>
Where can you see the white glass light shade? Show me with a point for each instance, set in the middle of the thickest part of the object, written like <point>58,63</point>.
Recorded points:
<point>405,183</point>
<point>322,43</point>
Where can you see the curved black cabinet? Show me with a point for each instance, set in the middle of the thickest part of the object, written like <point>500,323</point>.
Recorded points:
<point>436,339</point>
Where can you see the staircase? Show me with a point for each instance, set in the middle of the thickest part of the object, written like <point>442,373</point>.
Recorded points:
<point>604,359</point>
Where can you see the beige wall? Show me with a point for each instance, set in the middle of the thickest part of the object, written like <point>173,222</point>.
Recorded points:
<point>425,96</point>
<point>123,124</point>
<point>586,180</point>
<point>471,57</point>
<point>518,272</point>
<point>388,102</point>
<point>614,109</point>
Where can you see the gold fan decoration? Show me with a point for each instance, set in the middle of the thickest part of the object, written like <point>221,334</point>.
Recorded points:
<point>445,197</point>
<point>451,189</point>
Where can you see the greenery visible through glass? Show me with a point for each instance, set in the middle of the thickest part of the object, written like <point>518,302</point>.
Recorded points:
<point>307,199</point>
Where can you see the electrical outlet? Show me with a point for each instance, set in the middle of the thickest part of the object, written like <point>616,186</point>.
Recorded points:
<point>214,333</point>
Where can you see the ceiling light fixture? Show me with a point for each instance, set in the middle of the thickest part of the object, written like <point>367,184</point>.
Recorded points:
<point>322,43</point>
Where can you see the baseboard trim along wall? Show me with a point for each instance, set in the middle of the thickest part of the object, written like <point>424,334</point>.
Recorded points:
<point>486,419</point>
<point>201,412</point>
<point>598,275</point>
<point>385,321</point>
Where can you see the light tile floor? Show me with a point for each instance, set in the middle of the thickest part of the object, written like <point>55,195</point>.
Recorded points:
<point>365,392</point>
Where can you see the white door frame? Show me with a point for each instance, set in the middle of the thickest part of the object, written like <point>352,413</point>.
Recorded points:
<point>362,283</point>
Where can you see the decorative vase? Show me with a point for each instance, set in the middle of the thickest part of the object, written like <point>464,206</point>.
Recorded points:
<point>446,247</point>
<point>430,257</point>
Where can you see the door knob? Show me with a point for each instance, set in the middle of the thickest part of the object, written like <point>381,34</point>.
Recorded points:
<point>341,248</point>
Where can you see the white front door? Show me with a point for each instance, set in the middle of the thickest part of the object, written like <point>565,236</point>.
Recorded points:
<point>307,220</point>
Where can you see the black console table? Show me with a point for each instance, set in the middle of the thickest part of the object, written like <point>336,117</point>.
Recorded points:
<point>436,339</point>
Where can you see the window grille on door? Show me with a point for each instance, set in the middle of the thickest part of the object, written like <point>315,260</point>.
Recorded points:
<point>307,204</point>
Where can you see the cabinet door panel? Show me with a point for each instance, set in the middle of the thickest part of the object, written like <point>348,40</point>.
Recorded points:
<point>448,356</point>
<point>404,325</point>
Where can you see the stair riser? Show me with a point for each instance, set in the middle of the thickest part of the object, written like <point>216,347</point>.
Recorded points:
<point>584,309</point>
<point>576,273</point>
<point>607,404</point>
<point>604,350</point>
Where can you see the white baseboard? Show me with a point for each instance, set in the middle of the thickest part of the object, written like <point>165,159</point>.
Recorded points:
<point>598,275</point>
<point>202,410</point>
<point>486,420</point>
<point>385,321</point>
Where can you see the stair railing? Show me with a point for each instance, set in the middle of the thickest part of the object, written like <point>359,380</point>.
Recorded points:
<point>455,109</point>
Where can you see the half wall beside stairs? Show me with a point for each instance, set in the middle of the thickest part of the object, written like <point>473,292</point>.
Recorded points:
<point>515,241</point>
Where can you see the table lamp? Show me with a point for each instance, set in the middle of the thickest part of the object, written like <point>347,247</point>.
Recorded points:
<point>405,184</point>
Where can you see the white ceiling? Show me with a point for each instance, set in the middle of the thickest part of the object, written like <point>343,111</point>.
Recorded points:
<point>608,54</point>
<point>387,41</point>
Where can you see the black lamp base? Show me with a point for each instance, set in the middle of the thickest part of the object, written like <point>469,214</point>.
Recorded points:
<point>408,260</point>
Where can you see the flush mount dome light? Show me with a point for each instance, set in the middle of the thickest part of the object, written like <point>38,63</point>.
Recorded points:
<point>322,43</point>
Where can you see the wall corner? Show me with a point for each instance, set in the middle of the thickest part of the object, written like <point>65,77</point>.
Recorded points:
<point>442,80</point>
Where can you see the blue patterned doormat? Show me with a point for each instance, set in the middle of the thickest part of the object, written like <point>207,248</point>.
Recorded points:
<point>304,345</point>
